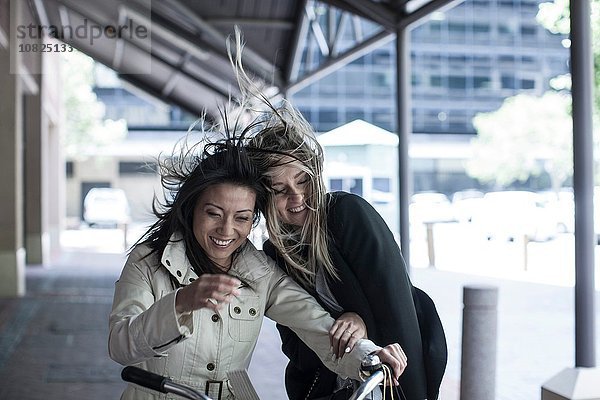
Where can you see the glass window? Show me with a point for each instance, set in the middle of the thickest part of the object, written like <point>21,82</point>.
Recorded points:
<point>133,167</point>
<point>356,186</point>
<point>508,82</point>
<point>435,81</point>
<point>305,112</point>
<point>382,57</point>
<point>381,79</point>
<point>353,114</point>
<point>328,115</point>
<point>69,169</point>
<point>480,82</point>
<point>383,119</point>
<point>435,26</point>
<point>454,27</point>
<point>506,59</point>
<point>335,185</point>
<point>457,82</point>
<point>528,30</point>
<point>481,28</point>
<point>527,84</point>
<point>382,184</point>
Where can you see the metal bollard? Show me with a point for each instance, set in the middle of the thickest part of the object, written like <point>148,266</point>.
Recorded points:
<point>430,244</point>
<point>479,343</point>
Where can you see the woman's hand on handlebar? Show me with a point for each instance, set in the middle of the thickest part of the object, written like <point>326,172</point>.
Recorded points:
<point>348,329</point>
<point>208,291</point>
<point>394,356</point>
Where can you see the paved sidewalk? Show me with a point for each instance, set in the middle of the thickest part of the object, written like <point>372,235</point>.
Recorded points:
<point>53,341</point>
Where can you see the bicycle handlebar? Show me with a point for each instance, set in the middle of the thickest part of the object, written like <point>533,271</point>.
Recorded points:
<point>144,378</point>
<point>159,383</point>
<point>368,385</point>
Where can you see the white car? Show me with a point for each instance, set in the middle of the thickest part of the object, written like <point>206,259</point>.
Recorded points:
<point>106,207</point>
<point>514,215</point>
<point>563,205</point>
<point>429,207</point>
<point>466,203</point>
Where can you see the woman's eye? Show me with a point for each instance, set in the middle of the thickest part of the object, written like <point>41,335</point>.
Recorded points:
<point>213,214</point>
<point>303,181</point>
<point>243,219</point>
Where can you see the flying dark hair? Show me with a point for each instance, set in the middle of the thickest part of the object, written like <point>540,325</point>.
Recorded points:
<point>186,175</point>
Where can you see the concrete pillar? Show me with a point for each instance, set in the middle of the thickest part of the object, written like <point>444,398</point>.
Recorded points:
<point>583,381</point>
<point>403,104</point>
<point>479,343</point>
<point>12,252</point>
<point>36,147</point>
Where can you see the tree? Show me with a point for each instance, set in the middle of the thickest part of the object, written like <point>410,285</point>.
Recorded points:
<point>554,16</point>
<point>526,136</point>
<point>85,128</point>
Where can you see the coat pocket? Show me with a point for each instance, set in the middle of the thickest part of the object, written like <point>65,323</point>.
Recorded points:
<point>245,318</point>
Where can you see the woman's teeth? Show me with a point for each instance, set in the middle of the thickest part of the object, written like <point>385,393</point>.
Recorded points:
<point>219,242</point>
<point>297,209</point>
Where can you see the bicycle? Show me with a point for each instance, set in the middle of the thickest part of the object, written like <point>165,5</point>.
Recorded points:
<point>372,370</point>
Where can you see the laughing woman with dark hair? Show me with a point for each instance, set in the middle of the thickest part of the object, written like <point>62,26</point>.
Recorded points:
<point>191,297</point>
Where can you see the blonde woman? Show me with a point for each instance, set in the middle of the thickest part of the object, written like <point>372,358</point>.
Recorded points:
<point>338,248</point>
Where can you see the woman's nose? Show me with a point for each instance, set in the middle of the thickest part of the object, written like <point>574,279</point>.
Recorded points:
<point>226,227</point>
<point>295,195</point>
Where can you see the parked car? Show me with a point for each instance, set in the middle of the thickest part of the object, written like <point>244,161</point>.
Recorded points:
<point>515,214</point>
<point>465,203</point>
<point>562,204</point>
<point>106,207</point>
<point>430,207</point>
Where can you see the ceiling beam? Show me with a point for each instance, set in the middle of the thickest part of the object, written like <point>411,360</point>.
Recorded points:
<point>134,80</point>
<point>418,15</point>
<point>262,68</point>
<point>252,22</point>
<point>376,12</point>
<point>298,42</point>
<point>334,63</point>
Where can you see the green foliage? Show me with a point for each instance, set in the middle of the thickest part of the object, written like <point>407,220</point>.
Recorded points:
<point>554,16</point>
<point>85,128</point>
<point>526,136</point>
<point>529,134</point>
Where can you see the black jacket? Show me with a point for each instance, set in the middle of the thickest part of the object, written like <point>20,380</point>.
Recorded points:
<point>373,283</point>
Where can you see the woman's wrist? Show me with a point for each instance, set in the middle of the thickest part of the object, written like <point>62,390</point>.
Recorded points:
<point>180,306</point>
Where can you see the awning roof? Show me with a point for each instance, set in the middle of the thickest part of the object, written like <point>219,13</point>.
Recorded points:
<point>184,59</point>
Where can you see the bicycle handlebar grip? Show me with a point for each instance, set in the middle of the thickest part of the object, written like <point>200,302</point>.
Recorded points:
<point>144,378</point>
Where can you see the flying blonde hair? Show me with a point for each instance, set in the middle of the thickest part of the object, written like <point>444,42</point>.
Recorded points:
<point>282,136</point>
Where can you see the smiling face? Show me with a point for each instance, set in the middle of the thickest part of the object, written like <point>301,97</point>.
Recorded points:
<point>223,220</point>
<point>291,186</point>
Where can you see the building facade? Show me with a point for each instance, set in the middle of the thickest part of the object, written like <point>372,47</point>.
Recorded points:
<point>465,60</point>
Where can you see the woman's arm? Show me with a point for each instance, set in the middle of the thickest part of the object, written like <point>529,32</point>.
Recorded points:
<point>141,325</point>
<point>369,249</point>
<point>290,305</point>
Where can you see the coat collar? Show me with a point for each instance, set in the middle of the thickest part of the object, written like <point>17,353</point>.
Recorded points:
<point>176,262</point>
<point>250,265</point>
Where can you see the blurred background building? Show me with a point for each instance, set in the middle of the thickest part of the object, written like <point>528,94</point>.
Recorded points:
<point>465,60</point>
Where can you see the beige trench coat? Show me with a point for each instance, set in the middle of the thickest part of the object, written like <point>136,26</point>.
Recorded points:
<point>191,349</point>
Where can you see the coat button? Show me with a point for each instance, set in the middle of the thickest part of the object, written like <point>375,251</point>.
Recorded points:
<point>252,312</point>
<point>191,280</point>
<point>210,366</point>
<point>237,310</point>
<point>168,262</point>
<point>215,318</point>
<point>179,274</point>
